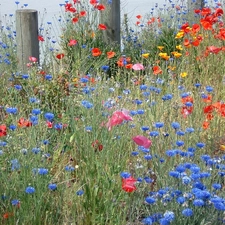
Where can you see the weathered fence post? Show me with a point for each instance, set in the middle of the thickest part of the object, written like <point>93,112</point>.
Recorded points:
<point>192,5</point>
<point>112,21</point>
<point>27,36</point>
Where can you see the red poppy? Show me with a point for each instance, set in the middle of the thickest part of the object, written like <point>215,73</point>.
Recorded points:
<point>100,7</point>
<point>208,109</point>
<point>7,215</point>
<point>97,145</point>
<point>195,28</point>
<point>214,49</point>
<point>93,2</point>
<point>102,26</point>
<point>138,17</point>
<point>205,125</point>
<point>83,13</point>
<point>129,66</point>
<point>3,130</point>
<point>24,123</point>
<point>96,52</point>
<point>186,110</point>
<point>128,184</point>
<point>156,70</point>
<point>75,19</point>
<point>40,38</point>
<point>60,56</point>
<point>218,12</point>
<point>195,43</point>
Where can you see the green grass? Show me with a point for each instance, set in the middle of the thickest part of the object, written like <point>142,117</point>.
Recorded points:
<point>86,161</point>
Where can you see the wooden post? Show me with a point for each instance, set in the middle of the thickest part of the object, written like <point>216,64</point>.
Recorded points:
<point>112,20</point>
<point>27,36</point>
<point>192,5</point>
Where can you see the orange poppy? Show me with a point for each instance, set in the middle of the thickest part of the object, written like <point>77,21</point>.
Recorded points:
<point>205,125</point>
<point>156,70</point>
<point>208,99</point>
<point>110,54</point>
<point>129,66</point>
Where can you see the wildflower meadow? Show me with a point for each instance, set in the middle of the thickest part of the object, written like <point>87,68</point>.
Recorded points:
<point>103,134</point>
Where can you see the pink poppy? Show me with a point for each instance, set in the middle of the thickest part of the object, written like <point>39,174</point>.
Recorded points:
<point>117,118</point>
<point>72,42</point>
<point>142,141</point>
<point>138,66</point>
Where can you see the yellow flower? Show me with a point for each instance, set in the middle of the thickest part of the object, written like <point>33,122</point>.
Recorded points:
<point>171,67</point>
<point>179,47</point>
<point>164,55</point>
<point>180,34</point>
<point>184,74</point>
<point>145,55</point>
<point>160,47</point>
<point>176,54</point>
<point>75,80</point>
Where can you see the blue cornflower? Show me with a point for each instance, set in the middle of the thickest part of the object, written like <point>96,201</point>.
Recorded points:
<point>33,100</point>
<point>175,125</point>
<point>134,153</point>
<point>174,174</point>
<point>105,68</point>
<point>69,168</point>
<point>126,92</point>
<point>195,169</point>
<point>180,133</point>
<point>148,180</point>
<point>52,187</point>
<point>12,127</point>
<point>150,200</point>
<point>159,125</point>
<point>133,113</point>
<point>30,190</point>
<point>181,200</point>
<point>125,175</point>
<point>209,88</point>
<point>42,171</point>
<point>205,157</point>
<point>18,87</point>
<point>200,145</point>
<point>191,149</point>
<point>180,168</point>
<point>48,77</point>
<point>171,153</point>
<point>164,221</point>
<point>219,206</point>
<point>36,111</point>
<point>197,85</point>
<point>36,150</point>
<point>12,110</point>
<point>187,212</point>
<point>80,192</point>
<point>15,202</point>
<point>140,111</point>
<point>15,165</point>
<point>167,97</point>
<point>34,120</point>
<point>198,202</point>
<point>179,143</point>
<point>186,180</point>
<point>58,126</point>
<point>25,76</point>
<point>84,80</point>
<point>216,186</point>
<point>138,102</point>
<point>145,128</point>
<point>88,128</point>
<point>154,133</point>
<point>190,130</point>
<point>49,116</point>
<point>148,157</point>
<point>143,87</point>
<point>147,221</point>
<point>169,216</point>
<point>87,104</point>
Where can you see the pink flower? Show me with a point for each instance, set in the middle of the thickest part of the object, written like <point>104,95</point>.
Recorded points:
<point>72,42</point>
<point>32,59</point>
<point>138,66</point>
<point>142,141</point>
<point>117,118</point>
